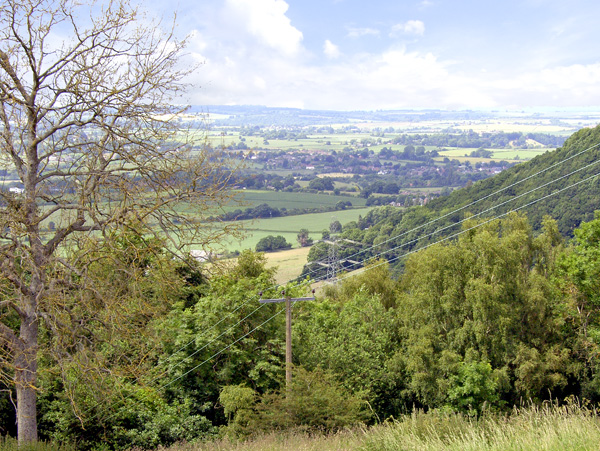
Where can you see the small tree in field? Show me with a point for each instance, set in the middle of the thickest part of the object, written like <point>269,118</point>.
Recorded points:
<point>303,238</point>
<point>88,129</point>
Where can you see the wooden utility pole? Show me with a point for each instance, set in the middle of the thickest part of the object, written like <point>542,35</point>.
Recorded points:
<point>288,331</point>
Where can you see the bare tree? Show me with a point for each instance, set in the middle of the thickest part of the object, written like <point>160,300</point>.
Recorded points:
<point>89,139</point>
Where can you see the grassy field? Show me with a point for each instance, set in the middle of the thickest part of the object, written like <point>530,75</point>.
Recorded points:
<point>281,199</point>
<point>289,263</point>
<point>337,141</point>
<point>511,155</point>
<point>289,226</point>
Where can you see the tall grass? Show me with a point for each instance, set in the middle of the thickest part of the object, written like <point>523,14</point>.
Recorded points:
<point>547,428</point>
<point>10,444</point>
<point>296,441</point>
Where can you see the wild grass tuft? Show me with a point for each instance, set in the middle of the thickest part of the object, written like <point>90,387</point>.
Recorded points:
<point>547,428</point>
<point>11,444</point>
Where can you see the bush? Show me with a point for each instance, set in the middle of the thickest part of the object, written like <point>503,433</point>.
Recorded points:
<point>315,401</point>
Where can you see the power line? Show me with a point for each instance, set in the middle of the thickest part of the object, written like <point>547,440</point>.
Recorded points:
<point>406,254</point>
<point>337,262</point>
<point>362,251</point>
<point>487,210</point>
<point>222,350</point>
<point>360,271</point>
<point>393,259</point>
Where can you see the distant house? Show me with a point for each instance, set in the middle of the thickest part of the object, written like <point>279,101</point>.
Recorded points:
<point>16,190</point>
<point>200,255</point>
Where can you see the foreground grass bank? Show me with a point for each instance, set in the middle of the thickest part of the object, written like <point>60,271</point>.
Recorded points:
<point>530,429</point>
<point>535,429</point>
<point>549,428</point>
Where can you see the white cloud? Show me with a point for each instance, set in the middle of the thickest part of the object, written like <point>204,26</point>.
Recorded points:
<point>557,86</point>
<point>331,50</point>
<point>266,20</point>
<point>244,63</point>
<point>414,27</point>
<point>358,32</point>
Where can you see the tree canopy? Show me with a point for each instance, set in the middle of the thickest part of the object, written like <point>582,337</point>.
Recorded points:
<point>89,132</point>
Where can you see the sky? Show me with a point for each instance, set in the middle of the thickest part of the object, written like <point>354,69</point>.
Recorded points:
<point>385,54</point>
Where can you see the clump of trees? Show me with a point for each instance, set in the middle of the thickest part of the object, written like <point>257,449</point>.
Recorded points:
<point>272,243</point>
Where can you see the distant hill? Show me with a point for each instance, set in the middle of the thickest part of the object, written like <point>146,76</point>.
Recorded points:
<point>253,115</point>
<point>564,184</point>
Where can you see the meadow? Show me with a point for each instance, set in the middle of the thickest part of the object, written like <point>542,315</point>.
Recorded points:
<point>462,154</point>
<point>282,199</point>
<point>547,428</point>
<point>289,226</point>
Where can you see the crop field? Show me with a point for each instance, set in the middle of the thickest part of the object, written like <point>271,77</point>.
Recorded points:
<point>542,126</point>
<point>289,263</point>
<point>289,226</point>
<point>337,142</point>
<point>459,153</point>
<point>282,199</point>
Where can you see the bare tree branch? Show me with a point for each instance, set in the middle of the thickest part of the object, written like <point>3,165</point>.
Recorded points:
<point>89,129</point>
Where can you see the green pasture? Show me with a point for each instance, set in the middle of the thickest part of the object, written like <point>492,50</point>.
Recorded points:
<point>282,199</point>
<point>323,142</point>
<point>289,226</point>
<point>523,154</point>
<point>459,153</point>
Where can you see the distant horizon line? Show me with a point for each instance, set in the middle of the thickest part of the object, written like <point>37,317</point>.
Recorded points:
<point>536,109</point>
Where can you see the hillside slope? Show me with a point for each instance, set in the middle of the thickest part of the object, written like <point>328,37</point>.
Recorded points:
<point>546,174</point>
<point>563,184</point>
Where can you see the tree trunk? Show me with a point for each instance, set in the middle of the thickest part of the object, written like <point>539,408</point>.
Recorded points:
<point>25,380</point>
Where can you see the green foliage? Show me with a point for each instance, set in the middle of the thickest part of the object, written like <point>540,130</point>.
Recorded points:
<point>124,415</point>
<point>238,403</point>
<point>303,238</point>
<point>315,401</point>
<point>272,243</point>
<point>473,386</point>
<point>481,153</point>
<point>236,398</point>
<point>321,184</point>
<point>375,280</point>
<point>580,280</point>
<point>94,394</point>
<point>203,345</point>
<point>483,301</point>
<point>354,338</point>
